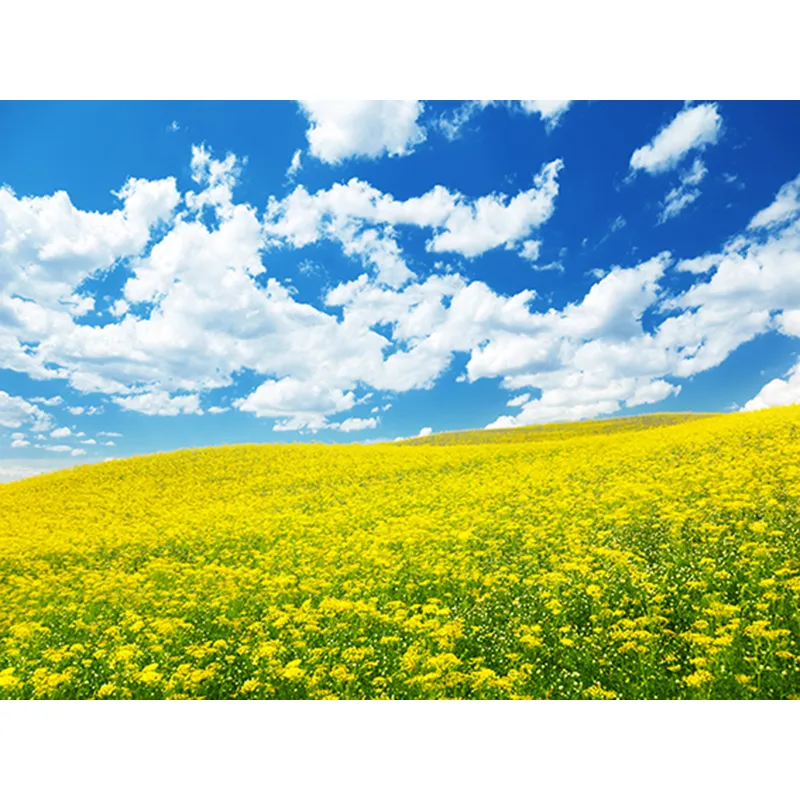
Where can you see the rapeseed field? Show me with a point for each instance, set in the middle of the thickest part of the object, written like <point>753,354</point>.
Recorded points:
<point>654,557</point>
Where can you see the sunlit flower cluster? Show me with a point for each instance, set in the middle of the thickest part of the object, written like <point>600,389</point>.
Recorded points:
<point>648,558</point>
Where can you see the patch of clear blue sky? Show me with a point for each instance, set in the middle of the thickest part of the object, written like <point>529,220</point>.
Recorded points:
<point>89,149</point>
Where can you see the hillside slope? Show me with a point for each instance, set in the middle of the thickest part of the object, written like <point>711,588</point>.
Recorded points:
<point>658,560</point>
<point>557,430</point>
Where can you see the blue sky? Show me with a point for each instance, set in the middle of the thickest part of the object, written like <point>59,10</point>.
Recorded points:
<point>182,274</point>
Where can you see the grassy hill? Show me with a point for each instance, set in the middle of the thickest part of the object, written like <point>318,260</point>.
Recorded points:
<point>645,557</point>
<point>557,430</point>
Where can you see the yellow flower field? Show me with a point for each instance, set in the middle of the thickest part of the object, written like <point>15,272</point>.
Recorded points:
<point>657,557</point>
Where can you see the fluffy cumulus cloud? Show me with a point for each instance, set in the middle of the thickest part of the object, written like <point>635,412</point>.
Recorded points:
<point>530,250</point>
<point>357,424</point>
<point>364,221</point>
<point>308,401</point>
<point>492,221</point>
<point>202,309</point>
<point>342,129</point>
<point>16,412</point>
<point>550,111</point>
<point>694,128</point>
<point>595,357</point>
<point>48,247</point>
<point>160,403</point>
<point>779,392</point>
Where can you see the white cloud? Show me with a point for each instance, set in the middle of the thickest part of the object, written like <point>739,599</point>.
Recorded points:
<point>10,471</point>
<point>699,264</point>
<point>550,111</point>
<point>295,165</point>
<point>160,403</point>
<point>652,392</point>
<point>381,251</point>
<point>47,249</point>
<point>584,397</point>
<point>77,452</point>
<point>308,403</point>
<point>198,317</point>
<point>217,410</point>
<point>15,412</point>
<point>685,193</point>
<point>789,322</point>
<point>47,401</point>
<point>20,443</point>
<point>552,266</point>
<point>777,392</point>
<point>119,307</point>
<point>89,441</point>
<point>519,400</point>
<point>357,424</point>
<point>56,448</point>
<point>218,179</point>
<point>692,129</point>
<point>785,206</point>
<point>110,434</point>
<point>425,432</point>
<point>342,129</point>
<point>530,250</point>
<point>109,444</point>
<point>491,221</point>
<point>61,245</point>
<point>61,433</point>
<point>364,220</point>
<point>452,123</point>
<point>676,200</point>
<point>76,410</point>
<point>570,355</point>
<point>751,279</point>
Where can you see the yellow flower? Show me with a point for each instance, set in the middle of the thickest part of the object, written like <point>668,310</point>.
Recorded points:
<point>150,674</point>
<point>597,692</point>
<point>698,678</point>
<point>293,671</point>
<point>8,680</point>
